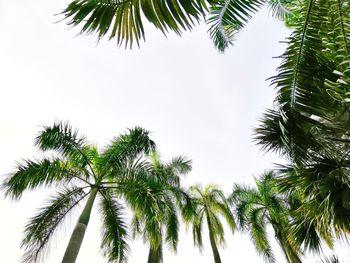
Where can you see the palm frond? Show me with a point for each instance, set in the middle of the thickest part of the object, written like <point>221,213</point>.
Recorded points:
<point>172,226</point>
<point>216,227</point>
<point>281,9</point>
<point>128,146</point>
<point>32,174</point>
<point>227,17</point>
<point>303,100</point>
<point>122,19</point>
<point>197,230</point>
<point>259,236</point>
<point>61,137</point>
<point>269,135</point>
<point>41,228</point>
<point>339,50</point>
<point>225,211</point>
<point>180,165</point>
<point>114,231</point>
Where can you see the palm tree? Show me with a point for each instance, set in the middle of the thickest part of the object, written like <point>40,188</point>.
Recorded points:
<point>258,208</point>
<point>123,20</point>
<point>159,211</point>
<point>207,204</point>
<point>310,122</point>
<point>80,172</point>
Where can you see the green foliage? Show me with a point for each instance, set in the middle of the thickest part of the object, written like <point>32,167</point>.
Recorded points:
<point>114,229</point>
<point>32,174</point>
<point>207,204</point>
<point>227,17</point>
<point>83,171</point>
<point>258,208</point>
<point>40,228</point>
<point>156,205</point>
<point>309,124</point>
<point>124,20</point>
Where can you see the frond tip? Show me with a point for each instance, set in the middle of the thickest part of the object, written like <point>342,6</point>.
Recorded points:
<point>228,17</point>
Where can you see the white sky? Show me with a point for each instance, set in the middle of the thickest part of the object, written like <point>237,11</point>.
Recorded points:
<point>196,102</point>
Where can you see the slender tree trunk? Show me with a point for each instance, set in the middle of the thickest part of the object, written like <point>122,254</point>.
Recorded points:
<point>154,255</point>
<point>216,254</point>
<point>77,236</point>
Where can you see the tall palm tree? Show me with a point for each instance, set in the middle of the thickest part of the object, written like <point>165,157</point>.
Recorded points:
<point>207,204</point>
<point>258,208</point>
<point>157,214</point>
<point>80,172</point>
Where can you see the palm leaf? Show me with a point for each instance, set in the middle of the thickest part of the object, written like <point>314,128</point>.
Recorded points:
<point>281,9</point>
<point>41,228</point>
<point>259,236</point>
<point>197,229</point>
<point>339,49</point>
<point>128,146</point>
<point>32,174</point>
<point>303,99</point>
<point>114,231</point>
<point>227,17</point>
<point>172,226</point>
<point>123,19</point>
<point>62,138</point>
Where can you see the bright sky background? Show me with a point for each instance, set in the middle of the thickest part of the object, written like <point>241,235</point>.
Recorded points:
<point>196,102</point>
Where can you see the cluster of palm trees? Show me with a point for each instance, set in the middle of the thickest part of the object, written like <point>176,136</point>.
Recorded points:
<point>129,174</point>
<point>306,202</point>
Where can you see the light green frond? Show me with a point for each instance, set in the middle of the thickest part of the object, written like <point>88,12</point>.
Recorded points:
<point>197,228</point>
<point>172,225</point>
<point>259,236</point>
<point>225,211</point>
<point>114,231</point>
<point>136,226</point>
<point>339,49</point>
<point>217,228</point>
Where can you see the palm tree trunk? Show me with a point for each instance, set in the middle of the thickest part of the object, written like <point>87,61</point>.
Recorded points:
<point>216,254</point>
<point>77,236</point>
<point>154,255</point>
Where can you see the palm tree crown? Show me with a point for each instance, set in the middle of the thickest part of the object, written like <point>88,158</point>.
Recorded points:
<point>79,171</point>
<point>256,208</point>
<point>156,218</point>
<point>207,204</point>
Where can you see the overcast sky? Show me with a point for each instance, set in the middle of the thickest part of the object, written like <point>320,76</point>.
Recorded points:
<point>195,101</point>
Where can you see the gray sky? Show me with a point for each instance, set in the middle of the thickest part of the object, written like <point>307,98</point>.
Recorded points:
<point>196,102</point>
